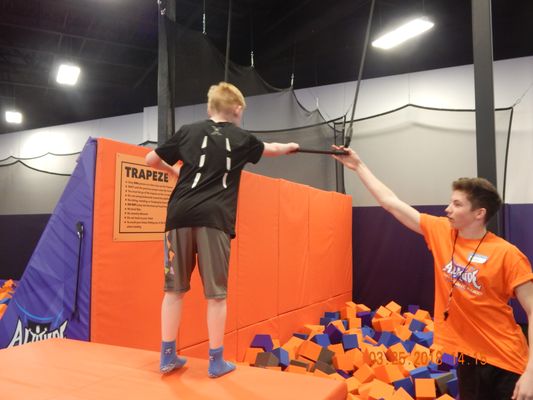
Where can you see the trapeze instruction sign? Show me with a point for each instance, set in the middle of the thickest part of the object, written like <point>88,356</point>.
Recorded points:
<point>141,197</point>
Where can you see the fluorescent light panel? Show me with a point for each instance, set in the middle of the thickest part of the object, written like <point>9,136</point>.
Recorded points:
<point>13,117</point>
<point>68,74</point>
<point>403,33</point>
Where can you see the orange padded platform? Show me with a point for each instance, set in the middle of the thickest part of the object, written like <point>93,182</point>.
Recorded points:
<point>63,369</point>
<point>290,262</point>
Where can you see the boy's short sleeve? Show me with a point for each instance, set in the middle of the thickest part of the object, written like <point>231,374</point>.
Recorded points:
<point>169,152</point>
<point>256,149</point>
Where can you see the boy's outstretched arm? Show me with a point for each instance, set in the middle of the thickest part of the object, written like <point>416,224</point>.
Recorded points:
<point>402,211</point>
<point>278,149</point>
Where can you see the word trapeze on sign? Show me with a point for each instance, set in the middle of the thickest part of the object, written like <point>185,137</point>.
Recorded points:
<point>140,173</point>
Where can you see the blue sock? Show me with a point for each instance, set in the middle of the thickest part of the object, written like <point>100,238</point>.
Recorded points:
<point>169,358</point>
<point>217,365</point>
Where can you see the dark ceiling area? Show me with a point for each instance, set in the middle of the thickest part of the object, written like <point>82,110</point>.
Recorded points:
<point>115,42</point>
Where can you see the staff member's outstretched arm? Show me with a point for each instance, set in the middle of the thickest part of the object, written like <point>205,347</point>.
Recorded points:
<point>402,211</point>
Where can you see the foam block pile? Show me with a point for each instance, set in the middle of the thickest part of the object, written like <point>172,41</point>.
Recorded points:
<point>6,293</point>
<point>380,354</point>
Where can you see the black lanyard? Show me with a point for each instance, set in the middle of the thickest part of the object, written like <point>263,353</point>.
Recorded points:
<point>454,282</point>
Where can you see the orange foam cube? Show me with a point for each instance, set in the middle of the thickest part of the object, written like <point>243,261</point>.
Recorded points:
<point>362,308</point>
<point>356,357</point>
<point>251,354</point>
<point>340,326</point>
<point>348,312</point>
<point>420,355</point>
<point>336,348</point>
<point>403,332</point>
<point>309,350</point>
<point>309,329</point>
<point>343,362</point>
<point>380,390</point>
<point>425,389</point>
<point>401,394</point>
<point>397,353</point>
<point>352,384</point>
<point>394,307</point>
<point>422,315</point>
<point>382,312</point>
<point>364,374</point>
<point>354,323</point>
<point>398,319</point>
<point>292,346</point>
<point>375,355</point>
<point>385,324</point>
<point>388,373</point>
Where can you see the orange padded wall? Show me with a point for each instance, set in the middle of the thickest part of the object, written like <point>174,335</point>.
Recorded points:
<point>290,262</point>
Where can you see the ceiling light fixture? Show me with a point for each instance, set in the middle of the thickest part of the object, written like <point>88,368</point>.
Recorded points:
<point>403,33</point>
<point>13,117</point>
<point>68,74</point>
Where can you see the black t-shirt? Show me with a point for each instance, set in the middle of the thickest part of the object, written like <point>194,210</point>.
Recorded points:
<point>213,156</point>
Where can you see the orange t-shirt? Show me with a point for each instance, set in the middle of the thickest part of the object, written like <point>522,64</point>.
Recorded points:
<point>480,322</point>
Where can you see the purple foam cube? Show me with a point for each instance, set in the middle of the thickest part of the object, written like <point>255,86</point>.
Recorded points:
<point>334,333</point>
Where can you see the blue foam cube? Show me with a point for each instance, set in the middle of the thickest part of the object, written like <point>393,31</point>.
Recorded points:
<point>407,385</point>
<point>423,338</point>
<point>283,356</point>
<point>367,331</point>
<point>335,315</point>
<point>300,335</point>
<point>388,339</point>
<point>264,342</point>
<point>366,318</point>
<point>420,372</point>
<point>448,362</point>
<point>408,345</point>
<point>349,341</point>
<point>416,325</point>
<point>321,339</point>
<point>325,321</point>
<point>453,387</point>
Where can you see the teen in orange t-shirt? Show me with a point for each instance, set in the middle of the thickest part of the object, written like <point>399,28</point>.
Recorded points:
<point>476,274</point>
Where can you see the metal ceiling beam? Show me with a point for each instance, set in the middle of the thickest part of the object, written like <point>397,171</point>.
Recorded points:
<point>93,39</point>
<point>309,28</point>
<point>87,59</point>
<point>83,88</point>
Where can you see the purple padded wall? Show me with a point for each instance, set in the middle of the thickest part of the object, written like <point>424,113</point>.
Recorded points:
<point>46,296</point>
<point>20,234</point>
<point>390,261</point>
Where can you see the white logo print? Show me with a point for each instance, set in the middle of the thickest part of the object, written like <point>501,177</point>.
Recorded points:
<point>468,277</point>
<point>203,159</point>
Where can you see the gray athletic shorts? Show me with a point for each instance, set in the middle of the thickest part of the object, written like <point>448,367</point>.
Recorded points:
<point>212,247</point>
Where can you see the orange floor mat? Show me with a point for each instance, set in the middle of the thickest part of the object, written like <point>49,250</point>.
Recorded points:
<point>63,369</point>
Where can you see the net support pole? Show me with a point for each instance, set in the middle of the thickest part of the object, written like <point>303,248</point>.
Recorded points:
<point>349,133</point>
<point>166,71</point>
<point>484,95</point>
<point>228,42</point>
